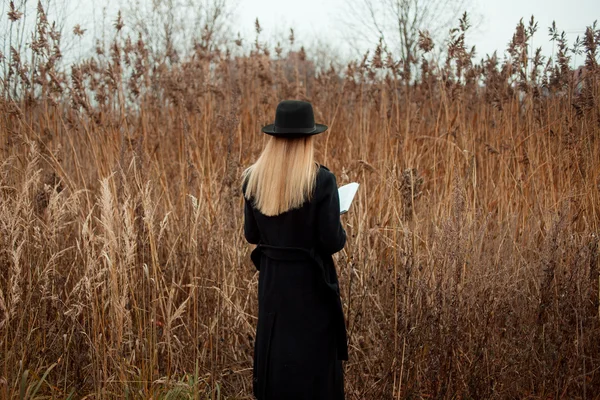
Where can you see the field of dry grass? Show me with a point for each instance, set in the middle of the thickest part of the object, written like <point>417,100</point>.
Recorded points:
<point>472,265</point>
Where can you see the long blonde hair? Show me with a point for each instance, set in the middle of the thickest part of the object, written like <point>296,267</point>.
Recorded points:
<point>283,177</point>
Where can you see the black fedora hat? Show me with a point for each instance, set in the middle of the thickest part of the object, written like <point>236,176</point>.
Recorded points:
<point>294,119</point>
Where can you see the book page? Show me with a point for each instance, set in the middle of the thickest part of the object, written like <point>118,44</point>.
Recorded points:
<point>346,194</point>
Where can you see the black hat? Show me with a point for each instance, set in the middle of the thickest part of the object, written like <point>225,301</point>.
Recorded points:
<point>294,119</point>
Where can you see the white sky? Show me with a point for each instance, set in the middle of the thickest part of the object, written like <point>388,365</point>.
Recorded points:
<point>321,18</point>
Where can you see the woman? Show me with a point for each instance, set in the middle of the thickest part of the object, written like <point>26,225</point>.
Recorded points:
<point>292,213</point>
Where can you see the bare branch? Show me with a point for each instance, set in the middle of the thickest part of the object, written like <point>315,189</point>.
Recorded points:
<point>398,22</point>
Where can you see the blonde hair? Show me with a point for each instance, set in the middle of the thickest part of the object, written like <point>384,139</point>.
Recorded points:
<point>283,177</point>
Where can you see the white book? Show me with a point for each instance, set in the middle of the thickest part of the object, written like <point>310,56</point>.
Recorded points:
<point>346,194</point>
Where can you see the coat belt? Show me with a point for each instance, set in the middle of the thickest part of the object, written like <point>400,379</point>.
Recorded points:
<point>300,254</point>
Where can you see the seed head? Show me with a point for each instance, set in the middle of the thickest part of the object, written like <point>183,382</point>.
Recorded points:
<point>77,31</point>
<point>13,13</point>
<point>425,41</point>
<point>119,22</point>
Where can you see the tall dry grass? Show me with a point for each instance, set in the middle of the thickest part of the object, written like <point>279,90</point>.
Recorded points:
<point>472,264</point>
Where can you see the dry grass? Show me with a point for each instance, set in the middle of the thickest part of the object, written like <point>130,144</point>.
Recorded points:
<point>472,265</point>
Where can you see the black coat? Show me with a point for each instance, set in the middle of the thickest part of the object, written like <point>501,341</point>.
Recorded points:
<point>301,335</point>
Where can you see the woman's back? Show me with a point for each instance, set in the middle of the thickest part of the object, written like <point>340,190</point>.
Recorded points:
<point>315,225</point>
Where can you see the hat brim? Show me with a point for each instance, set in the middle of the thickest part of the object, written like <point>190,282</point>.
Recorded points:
<point>270,130</point>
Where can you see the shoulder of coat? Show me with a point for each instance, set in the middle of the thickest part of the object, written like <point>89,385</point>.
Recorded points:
<point>325,179</point>
<point>323,167</point>
<point>324,174</point>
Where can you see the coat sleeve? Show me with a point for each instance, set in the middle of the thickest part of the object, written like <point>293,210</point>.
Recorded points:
<point>331,234</point>
<point>251,232</point>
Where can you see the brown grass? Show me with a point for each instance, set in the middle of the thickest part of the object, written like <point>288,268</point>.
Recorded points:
<point>472,265</point>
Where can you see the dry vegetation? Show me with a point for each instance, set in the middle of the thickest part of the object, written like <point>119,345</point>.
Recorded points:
<point>472,265</point>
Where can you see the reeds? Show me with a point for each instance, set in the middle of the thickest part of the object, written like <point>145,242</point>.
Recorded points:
<point>471,269</point>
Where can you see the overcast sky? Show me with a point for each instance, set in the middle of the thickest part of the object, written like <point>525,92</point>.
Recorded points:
<point>324,20</point>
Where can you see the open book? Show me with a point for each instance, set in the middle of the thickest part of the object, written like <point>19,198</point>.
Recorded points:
<point>346,194</point>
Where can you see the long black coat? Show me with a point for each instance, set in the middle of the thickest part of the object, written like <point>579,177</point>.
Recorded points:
<point>301,335</point>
